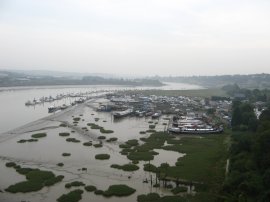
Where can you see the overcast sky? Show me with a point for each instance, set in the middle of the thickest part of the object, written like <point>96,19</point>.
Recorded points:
<point>142,37</point>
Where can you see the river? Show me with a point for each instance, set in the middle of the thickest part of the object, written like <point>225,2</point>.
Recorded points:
<point>14,113</point>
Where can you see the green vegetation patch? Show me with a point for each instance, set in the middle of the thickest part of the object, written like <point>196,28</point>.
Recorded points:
<point>60,164</point>
<point>94,126</point>
<point>35,180</point>
<point>87,144</point>
<point>97,145</point>
<point>205,159</point>
<point>76,119</point>
<point>39,135</point>
<point>99,192</point>
<point>140,156</point>
<point>145,151</point>
<point>101,137</point>
<point>124,146</point>
<point>10,164</point>
<point>66,154</point>
<point>72,196</point>
<point>27,140</point>
<point>102,130</point>
<point>74,184</point>
<point>119,190</point>
<point>72,140</point>
<point>102,156</point>
<point>112,139</point>
<point>150,168</point>
<point>132,142</point>
<point>90,188</point>
<point>64,134</point>
<point>126,167</point>
<point>142,132</point>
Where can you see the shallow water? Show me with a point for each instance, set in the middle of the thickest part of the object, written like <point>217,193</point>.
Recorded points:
<point>47,152</point>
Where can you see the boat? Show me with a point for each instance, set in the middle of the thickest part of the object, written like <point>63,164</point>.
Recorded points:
<point>139,113</point>
<point>180,130</point>
<point>52,109</point>
<point>28,103</point>
<point>156,115</point>
<point>120,114</point>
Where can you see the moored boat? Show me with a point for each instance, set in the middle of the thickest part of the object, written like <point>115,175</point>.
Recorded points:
<point>120,114</point>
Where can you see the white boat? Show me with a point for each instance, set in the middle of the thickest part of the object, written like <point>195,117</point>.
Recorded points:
<point>120,114</point>
<point>156,115</point>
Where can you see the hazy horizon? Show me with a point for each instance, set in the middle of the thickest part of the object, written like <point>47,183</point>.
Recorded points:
<point>141,38</point>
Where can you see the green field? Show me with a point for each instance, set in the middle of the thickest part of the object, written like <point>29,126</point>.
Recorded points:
<point>204,161</point>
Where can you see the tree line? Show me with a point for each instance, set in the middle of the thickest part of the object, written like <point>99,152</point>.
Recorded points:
<point>248,178</point>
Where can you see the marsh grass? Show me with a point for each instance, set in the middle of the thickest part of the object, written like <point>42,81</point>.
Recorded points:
<point>35,180</point>
<point>102,156</point>
<point>126,167</point>
<point>72,140</point>
<point>132,142</point>
<point>118,190</point>
<point>74,184</point>
<point>102,130</point>
<point>112,139</point>
<point>99,192</point>
<point>60,164</point>
<point>88,144</point>
<point>72,196</point>
<point>98,145</point>
<point>76,119</point>
<point>64,134</point>
<point>90,188</point>
<point>27,140</point>
<point>39,135</point>
<point>10,164</point>
<point>66,154</point>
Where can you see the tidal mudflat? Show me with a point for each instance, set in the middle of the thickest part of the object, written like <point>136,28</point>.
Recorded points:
<point>71,132</point>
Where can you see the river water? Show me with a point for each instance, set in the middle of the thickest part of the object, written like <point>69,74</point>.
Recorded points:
<point>14,113</point>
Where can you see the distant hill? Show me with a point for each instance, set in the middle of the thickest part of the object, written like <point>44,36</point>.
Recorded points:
<point>259,81</point>
<point>25,78</point>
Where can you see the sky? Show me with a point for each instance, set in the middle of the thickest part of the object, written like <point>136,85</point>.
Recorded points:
<point>138,37</point>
